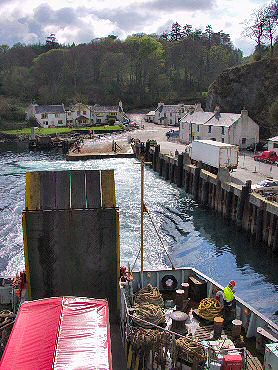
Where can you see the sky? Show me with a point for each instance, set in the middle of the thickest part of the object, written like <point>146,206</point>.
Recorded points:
<point>29,21</point>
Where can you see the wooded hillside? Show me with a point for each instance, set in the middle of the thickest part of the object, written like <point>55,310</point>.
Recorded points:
<point>141,70</point>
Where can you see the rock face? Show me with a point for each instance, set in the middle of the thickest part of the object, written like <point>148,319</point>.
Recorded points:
<point>253,86</point>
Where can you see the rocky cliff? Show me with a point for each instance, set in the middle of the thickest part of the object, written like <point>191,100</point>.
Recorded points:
<point>253,86</point>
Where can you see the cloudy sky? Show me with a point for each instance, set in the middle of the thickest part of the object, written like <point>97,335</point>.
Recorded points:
<point>77,21</point>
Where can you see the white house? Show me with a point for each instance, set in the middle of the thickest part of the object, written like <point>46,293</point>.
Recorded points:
<point>272,144</point>
<point>171,114</point>
<point>79,115</point>
<point>149,117</point>
<point>230,128</point>
<point>107,114</point>
<point>48,115</point>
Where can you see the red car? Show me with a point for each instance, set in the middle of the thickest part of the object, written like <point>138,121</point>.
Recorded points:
<point>268,156</point>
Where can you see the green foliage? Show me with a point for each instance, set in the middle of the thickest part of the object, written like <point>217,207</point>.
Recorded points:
<point>111,121</point>
<point>273,111</point>
<point>32,122</point>
<point>141,70</point>
<point>61,130</point>
<point>10,111</point>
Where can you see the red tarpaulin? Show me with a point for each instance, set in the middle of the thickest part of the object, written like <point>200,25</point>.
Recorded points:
<point>60,333</point>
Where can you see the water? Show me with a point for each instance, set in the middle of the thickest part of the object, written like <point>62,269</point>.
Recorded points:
<point>193,236</point>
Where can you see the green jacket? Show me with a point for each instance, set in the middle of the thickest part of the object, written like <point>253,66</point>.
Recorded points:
<point>228,294</point>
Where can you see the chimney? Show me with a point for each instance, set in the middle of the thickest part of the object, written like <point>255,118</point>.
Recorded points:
<point>198,107</point>
<point>217,112</point>
<point>244,112</point>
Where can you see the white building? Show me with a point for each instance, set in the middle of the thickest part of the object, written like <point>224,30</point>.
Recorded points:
<point>79,115</point>
<point>171,114</point>
<point>272,144</point>
<point>107,114</point>
<point>230,128</point>
<point>149,117</point>
<point>48,115</point>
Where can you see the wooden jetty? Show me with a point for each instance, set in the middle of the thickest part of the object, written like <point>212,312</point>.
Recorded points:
<point>101,151</point>
<point>87,156</point>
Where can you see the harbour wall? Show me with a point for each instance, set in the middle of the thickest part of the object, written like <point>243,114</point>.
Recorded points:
<point>249,211</point>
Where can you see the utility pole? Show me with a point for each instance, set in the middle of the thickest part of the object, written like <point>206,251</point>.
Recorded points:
<point>142,213</point>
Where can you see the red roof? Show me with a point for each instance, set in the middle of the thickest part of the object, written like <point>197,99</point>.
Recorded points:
<point>60,333</point>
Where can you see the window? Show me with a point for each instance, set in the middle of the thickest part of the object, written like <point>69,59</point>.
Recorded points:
<point>44,115</point>
<point>198,128</point>
<point>69,113</point>
<point>275,145</point>
<point>98,120</point>
<point>57,115</point>
<point>164,115</point>
<point>84,112</point>
<point>223,130</point>
<point>213,139</point>
<point>209,129</point>
<point>78,112</point>
<point>243,140</point>
<point>60,122</point>
<point>222,139</point>
<point>170,114</point>
<point>170,121</point>
<point>45,123</point>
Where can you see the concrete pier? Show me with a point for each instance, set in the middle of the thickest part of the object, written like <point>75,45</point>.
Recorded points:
<point>249,211</point>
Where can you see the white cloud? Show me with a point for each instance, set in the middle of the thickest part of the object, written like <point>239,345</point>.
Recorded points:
<point>81,21</point>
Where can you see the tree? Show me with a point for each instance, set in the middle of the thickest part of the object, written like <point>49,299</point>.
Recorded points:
<point>262,26</point>
<point>273,111</point>
<point>176,33</point>
<point>51,41</point>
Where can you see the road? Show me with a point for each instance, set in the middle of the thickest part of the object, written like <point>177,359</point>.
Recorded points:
<point>247,169</point>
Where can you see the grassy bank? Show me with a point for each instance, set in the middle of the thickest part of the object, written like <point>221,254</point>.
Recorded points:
<point>62,130</point>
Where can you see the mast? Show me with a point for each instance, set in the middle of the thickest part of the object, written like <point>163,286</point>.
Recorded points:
<point>142,214</point>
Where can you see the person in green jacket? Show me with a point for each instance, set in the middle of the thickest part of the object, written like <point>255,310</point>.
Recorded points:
<point>229,291</point>
<point>229,302</point>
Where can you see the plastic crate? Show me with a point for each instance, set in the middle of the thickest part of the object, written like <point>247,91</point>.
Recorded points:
<point>233,362</point>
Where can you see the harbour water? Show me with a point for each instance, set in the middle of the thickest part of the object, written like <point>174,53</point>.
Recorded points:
<point>193,236</point>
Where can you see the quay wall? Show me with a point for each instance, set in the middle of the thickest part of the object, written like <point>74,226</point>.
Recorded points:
<point>249,211</point>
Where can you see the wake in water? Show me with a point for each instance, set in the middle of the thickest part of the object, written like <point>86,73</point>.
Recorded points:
<point>193,236</point>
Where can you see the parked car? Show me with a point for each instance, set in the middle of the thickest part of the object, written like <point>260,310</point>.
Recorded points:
<point>268,156</point>
<point>133,124</point>
<point>258,147</point>
<point>266,186</point>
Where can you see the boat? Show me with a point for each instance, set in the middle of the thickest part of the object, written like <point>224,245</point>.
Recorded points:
<point>168,319</point>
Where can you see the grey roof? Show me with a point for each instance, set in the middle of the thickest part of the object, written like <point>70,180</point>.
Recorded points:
<point>211,118</point>
<point>49,109</point>
<point>175,108</point>
<point>100,108</point>
<point>168,108</point>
